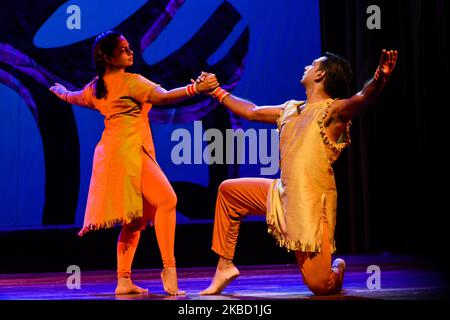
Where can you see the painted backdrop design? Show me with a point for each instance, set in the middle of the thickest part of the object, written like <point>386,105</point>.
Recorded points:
<point>257,48</point>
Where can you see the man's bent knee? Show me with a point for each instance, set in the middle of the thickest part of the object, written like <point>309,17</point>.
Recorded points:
<point>225,186</point>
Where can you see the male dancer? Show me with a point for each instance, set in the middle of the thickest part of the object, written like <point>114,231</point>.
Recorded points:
<point>300,207</point>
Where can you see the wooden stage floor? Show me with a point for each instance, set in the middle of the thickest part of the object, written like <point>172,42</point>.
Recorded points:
<point>401,278</point>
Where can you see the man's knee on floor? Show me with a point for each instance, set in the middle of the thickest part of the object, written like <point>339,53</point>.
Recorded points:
<point>320,286</point>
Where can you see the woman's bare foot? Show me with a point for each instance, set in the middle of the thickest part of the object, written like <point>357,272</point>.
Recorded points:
<point>170,281</point>
<point>226,272</point>
<point>126,286</point>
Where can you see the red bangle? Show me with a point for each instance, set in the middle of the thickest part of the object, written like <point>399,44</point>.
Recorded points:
<point>220,94</point>
<point>191,90</point>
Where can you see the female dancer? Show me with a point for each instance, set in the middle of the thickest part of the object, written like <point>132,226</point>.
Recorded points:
<point>127,185</point>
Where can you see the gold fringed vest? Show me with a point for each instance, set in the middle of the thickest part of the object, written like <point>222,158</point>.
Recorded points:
<point>305,195</point>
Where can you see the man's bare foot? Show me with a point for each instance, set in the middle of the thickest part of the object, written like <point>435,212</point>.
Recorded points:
<point>225,274</point>
<point>126,286</point>
<point>170,281</point>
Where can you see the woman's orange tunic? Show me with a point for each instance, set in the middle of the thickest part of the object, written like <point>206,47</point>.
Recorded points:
<point>115,195</point>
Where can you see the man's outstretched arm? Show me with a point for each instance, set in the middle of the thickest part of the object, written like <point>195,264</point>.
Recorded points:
<point>250,111</point>
<point>347,109</point>
<point>243,108</point>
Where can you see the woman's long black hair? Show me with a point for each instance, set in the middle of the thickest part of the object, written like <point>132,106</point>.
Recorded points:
<point>104,44</point>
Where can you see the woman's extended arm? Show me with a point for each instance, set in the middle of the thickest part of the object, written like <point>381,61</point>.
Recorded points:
<point>72,97</point>
<point>161,96</point>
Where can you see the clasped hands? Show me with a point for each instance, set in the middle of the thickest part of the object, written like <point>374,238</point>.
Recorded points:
<point>206,82</point>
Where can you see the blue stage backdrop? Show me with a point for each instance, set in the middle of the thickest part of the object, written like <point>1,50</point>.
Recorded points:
<point>257,48</point>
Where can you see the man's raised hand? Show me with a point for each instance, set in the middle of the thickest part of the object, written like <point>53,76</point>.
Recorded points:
<point>388,61</point>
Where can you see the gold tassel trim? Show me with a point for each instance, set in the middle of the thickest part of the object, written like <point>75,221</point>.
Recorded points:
<point>334,147</point>
<point>294,245</point>
<point>112,223</point>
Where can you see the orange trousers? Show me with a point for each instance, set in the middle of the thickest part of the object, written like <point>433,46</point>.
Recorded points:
<point>160,203</point>
<point>238,198</point>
